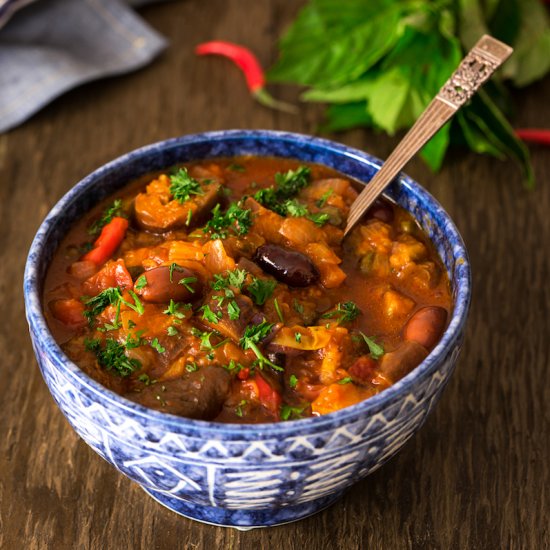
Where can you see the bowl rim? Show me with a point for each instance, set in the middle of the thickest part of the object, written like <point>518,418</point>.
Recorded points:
<point>37,323</point>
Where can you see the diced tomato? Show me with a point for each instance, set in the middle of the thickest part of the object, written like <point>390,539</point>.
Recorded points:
<point>69,311</point>
<point>108,241</point>
<point>112,274</point>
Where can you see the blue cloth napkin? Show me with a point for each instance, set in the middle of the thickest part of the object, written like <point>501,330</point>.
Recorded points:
<point>51,46</point>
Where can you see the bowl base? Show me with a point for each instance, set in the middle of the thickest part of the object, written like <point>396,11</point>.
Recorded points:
<point>242,519</point>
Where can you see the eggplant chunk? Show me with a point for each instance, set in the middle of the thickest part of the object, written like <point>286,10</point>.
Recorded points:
<point>221,321</point>
<point>398,363</point>
<point>157,211</point>
<point>165,283</point>
<point>200,394</point>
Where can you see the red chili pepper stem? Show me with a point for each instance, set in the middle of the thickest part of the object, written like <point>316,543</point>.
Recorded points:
<point>262,96</point>
<point>251,68</point>
<point>534,135</point>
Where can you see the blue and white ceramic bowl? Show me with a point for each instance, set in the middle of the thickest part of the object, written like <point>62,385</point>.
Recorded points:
<point>245,475</point>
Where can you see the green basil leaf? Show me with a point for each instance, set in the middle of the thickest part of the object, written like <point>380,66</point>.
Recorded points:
<point>330,44</point>
<point>434,151</point>
<point>346,116</point>
<point>490,123</point>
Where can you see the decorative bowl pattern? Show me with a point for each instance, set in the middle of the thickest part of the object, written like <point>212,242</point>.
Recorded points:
<point>245,475</point>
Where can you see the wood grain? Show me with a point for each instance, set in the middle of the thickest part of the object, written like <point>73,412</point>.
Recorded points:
<point>476,476</point>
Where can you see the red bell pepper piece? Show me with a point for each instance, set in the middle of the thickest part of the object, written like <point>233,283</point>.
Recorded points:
<point>250,66</point>
<point>108,241</point>
<point>269,397</point>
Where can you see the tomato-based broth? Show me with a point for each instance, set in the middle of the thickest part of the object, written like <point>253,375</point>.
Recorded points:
<point>224,290</point>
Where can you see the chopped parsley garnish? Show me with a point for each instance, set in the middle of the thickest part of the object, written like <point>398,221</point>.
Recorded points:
<point>289,413</point>
<point>191,367</point>
<point>292,381</point>
<point>209,316</point>
<point>112,357</point>
<point>137,306</point>
<point>108,214</point>
<point>233,310</point>
<point>110,296</point>
<point>173,308</point>
<point>172,331</point>
<point>236,167</point>
<point>278,310</point>
<point>298,337</point>
<point>292,181</point>
<point>252,336</point>
<point>292,207</point>
<point>141,282</point>
<point>376,350</point>
<point>174,267</point>
<point>344,312</point>
<point>235,218</point>
<point>144,378</point>
<point>295,208</point>
<point>298,307</point>
<point>134,341</point>
<point>205,336</point>
<point>239,408</point>
<point>189,216</point>
<point>261,290</point>
<point>320,218</point>
<point>234,366</point>
<point>235,278</point>
<point>287,186</point>
<point>96,304</point>
<point>182,186</point>
<point>324,197</point>
<point>155,344</point>
<point>346,380</point>
<point>186,282</point>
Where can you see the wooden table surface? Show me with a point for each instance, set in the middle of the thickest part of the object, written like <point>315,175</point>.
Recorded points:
<point>476,476</point>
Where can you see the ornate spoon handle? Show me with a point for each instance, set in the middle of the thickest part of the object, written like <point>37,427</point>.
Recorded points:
<point>478,65</point>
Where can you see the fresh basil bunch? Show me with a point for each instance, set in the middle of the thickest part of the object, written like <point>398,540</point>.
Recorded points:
<point>378,63</point>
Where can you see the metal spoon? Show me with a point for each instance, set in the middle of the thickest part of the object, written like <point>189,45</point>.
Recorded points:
<point>474,70</point>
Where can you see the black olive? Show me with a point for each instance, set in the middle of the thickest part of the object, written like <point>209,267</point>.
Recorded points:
<point>288,266</point>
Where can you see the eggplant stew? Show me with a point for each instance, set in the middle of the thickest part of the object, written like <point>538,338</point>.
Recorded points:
<point>223,290</point>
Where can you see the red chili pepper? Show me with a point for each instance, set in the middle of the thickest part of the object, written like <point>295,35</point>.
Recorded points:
<point>534,135</point>
<point>269,397</point>
<point>108,241</point>
<point>250,66</point>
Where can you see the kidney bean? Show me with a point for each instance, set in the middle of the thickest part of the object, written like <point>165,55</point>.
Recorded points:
<point>288,266</point>
<point>381,210</point>
<point>396,364</point>
<point>160,288</point>
<point>426,326</point>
